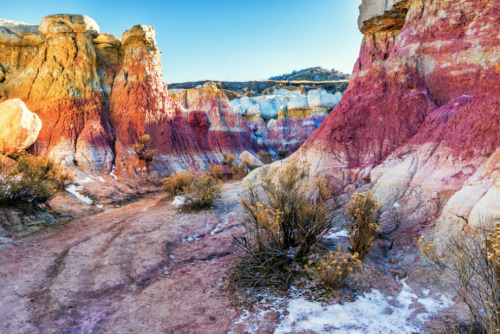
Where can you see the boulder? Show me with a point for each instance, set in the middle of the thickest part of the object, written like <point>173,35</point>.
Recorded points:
<point>250,159</point>
<point>19,127</point>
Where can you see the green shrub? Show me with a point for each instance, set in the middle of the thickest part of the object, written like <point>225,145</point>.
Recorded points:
<point>283,226</point>
<point>362,222</point>
<point>31,180</point>
<point>175,184</point>
<point>201,193</point>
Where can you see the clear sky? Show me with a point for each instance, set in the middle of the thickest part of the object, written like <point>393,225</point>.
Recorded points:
<point>224,39</point>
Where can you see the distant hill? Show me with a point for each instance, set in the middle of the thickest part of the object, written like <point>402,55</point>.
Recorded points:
<point>313,74</point>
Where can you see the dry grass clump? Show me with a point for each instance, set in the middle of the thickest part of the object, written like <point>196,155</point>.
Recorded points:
<point>332,269</point>
<point>175,184</point>
<point>31,180</point>
<point>362,222</point>
<point>216,171</point>
<point>472,265</point>
<point>241,170</point>
<point>266,157</point>
<point>144,154</point>
<point>287,217</point>
<point>228,159</point>
<point>201,193</point>
<point>282,153</point>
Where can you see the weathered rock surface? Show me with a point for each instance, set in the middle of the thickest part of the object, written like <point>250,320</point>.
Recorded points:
<point>20,127</point>
<point>419,121</point>
<point>143,267</point>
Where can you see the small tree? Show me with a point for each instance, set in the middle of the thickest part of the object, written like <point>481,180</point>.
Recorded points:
<point>266,157</point>
<point>143,153</point>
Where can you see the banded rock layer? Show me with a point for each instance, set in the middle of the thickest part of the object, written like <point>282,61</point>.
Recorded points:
<point>421,117</point>
<point>96,94</point>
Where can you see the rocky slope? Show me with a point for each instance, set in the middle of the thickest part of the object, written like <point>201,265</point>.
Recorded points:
<point>280,117</point>
<point>419,122</point>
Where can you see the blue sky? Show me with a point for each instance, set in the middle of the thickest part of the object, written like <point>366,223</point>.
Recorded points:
<point>224,39</point>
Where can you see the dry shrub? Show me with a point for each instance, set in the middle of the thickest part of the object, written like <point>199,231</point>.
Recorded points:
<point>228,159</point>
<point>217,171</point>
<point>201,193</point>
<point>332,269</point>
<point>472,265</point>
<point>283,226</point>
<point>32,180</point>
<point>362,222</point>
<point>175,184</point>
<point>282,153</point>
<point>240,171</point>
<point>266,157</point>
<point>144,154</point>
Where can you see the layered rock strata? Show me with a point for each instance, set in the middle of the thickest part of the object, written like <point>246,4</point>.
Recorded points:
<point>420,119</point>
<point>96,95</point>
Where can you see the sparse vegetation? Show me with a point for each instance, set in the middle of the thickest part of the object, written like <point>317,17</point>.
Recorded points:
<point>241,170</point>
<point>143,153</point>
<point>217,171</point>
<point>201,193</point>
<point>472,266</point>
<point>362,223</point>
<point>228,159</point>
<point>283,226</point>
<point>31,180</point>
<point>282,153</point>
<point>266,157</point>
<point>332,269</point>
<point>175,184</point>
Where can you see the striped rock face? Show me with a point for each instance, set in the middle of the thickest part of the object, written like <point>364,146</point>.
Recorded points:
<point>96,94</point>
<point>420,119</point>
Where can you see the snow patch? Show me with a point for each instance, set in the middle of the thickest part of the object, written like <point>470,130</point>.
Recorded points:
<point>371,313</point>
<point>338,234</point>
<point>178,201</point>
<point>75,190</point>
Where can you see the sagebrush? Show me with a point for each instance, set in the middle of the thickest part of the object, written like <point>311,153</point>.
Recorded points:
<point>175,183</point>
<point>363,215</point>
<point>471,264</point>
<point>31,180</point>
<point>288,215</point>
<point>201,193</point>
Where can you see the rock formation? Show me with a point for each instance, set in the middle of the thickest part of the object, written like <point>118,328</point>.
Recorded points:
<point>95,95</point>
<point>420,119</point>
<point>20,127</point>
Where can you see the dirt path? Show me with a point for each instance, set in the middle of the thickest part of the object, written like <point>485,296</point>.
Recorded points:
<point>140,268</point>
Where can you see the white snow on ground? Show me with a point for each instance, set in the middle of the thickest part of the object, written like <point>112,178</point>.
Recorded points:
<point>76,187</point>
<point>337,234</point>
<point>178,201</point>
<point>371,313</point>
<point>113,172</point>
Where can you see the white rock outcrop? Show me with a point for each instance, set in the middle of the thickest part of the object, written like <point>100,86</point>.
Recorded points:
<point>19,127</point>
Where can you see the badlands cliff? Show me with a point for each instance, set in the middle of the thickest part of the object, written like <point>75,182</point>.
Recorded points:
<point>96,94</point>
<point>419,122</point>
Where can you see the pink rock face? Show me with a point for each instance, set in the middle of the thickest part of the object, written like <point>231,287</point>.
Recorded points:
<point>420,116</point>
<point>95,95</point>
